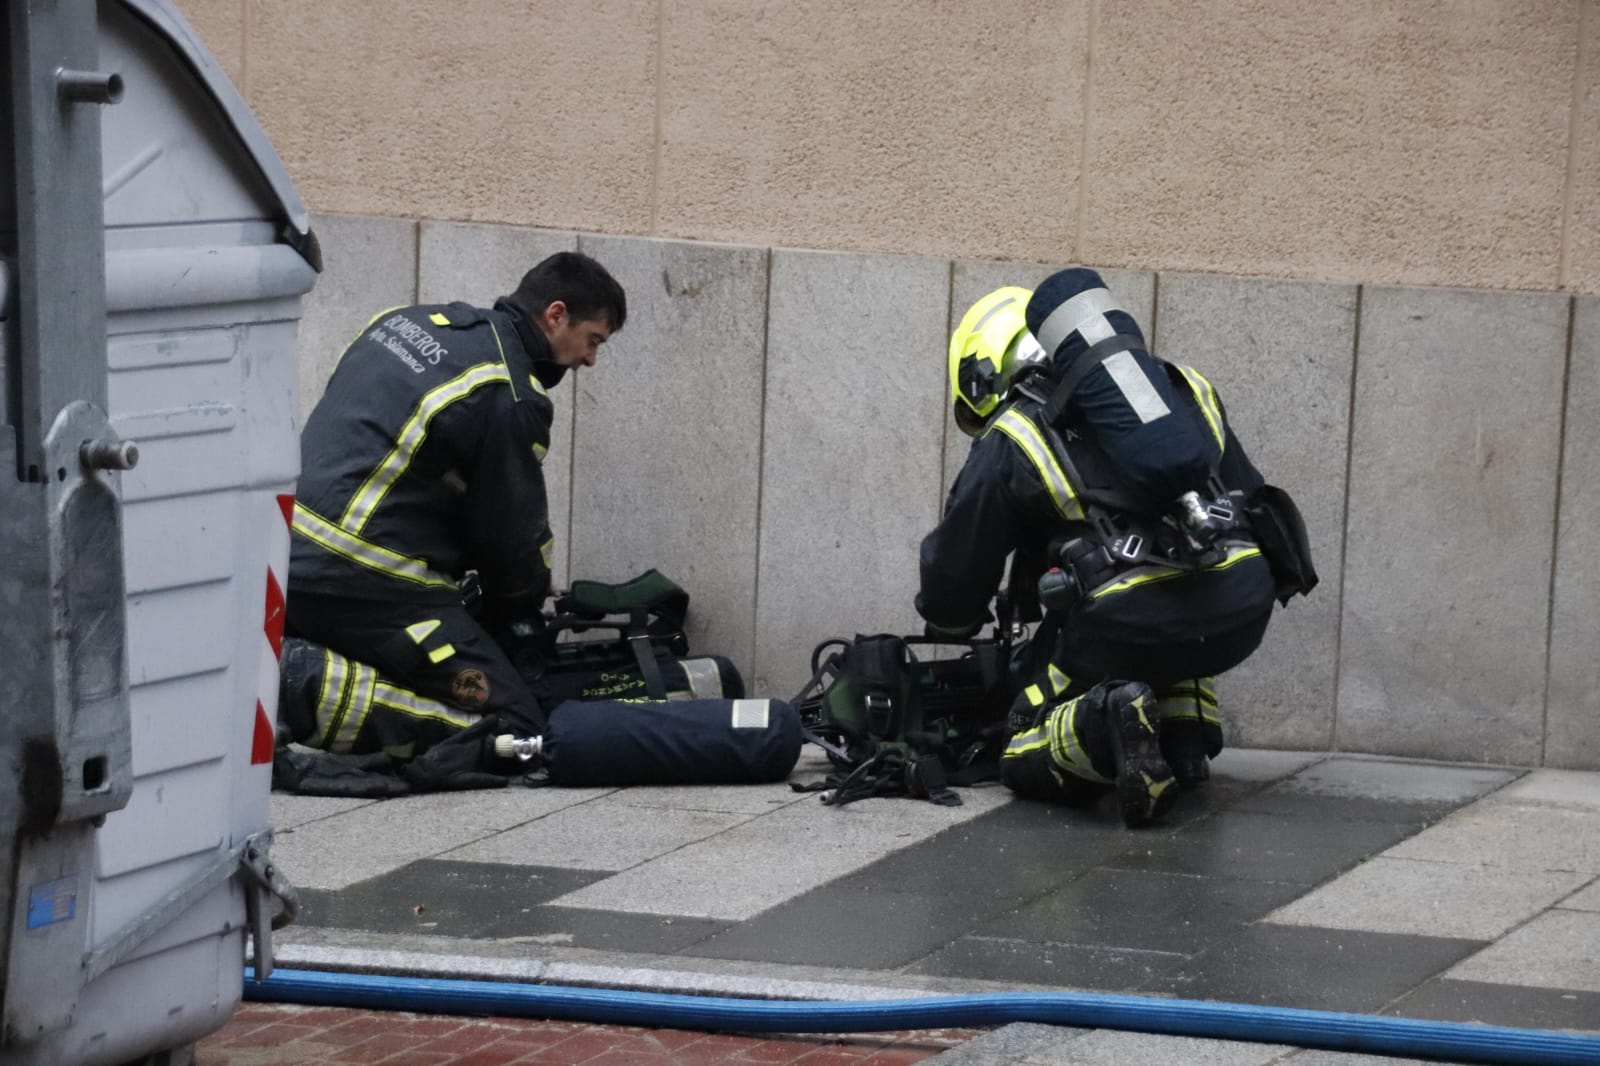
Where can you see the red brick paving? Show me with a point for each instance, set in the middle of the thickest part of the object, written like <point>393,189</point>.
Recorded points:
<point>274,1034</point>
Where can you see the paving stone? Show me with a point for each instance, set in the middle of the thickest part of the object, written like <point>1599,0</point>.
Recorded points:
<point>1107,1047</point>
<point>1558,949</point>
<point>1561,788</point>
<point>1586,900</point>
<point>1254,765</point>
<point>1281,355</point>
<point>851,450</point>
<point>1345,1058</point>
<point>378,837</point>
<point>289,811</point>
<point>605,834</point>
<point>1572,710</point>
<point>369,264</point>
<point>754,866</point>
<point>735,799</point>
<point>1322,969</point>
<point>1431,665</point>
<point>1030,964</point>
<point>1147,910</point>
<point>1264,847</point>
<point>1511,835</point>
<point>1497,1004</point>
<point>1391,895</point>
<point>1386,790</point>
<point>681,492</point>
<point>853,928</point>
<point>1014,1043</point>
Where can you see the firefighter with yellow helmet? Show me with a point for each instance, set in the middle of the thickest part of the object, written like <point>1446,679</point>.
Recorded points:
<point>1140,535</point>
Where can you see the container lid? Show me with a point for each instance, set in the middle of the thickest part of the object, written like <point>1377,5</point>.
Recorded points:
<point>164,18</point>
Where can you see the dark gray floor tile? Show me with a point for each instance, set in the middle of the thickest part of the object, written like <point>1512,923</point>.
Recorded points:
<point>855,928</point>
<point>652,934</point>
<point>1027,965</point>
<point>1492,1004</point>
<point>1316,969</point>
<point>1287,800</point>
<point>1145,910</point>
<point>441,898</point>
<point>1266,847</point>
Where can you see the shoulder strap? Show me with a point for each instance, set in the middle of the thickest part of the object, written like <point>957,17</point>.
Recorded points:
<point>1103,350</point>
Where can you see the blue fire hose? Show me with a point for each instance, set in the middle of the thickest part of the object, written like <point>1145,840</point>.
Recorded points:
<point>1328,1030</point>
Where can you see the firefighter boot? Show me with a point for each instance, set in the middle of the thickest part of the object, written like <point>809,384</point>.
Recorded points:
<point>1146,789</point>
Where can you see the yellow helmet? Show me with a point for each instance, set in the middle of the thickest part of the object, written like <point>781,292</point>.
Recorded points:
<point>986,352</point>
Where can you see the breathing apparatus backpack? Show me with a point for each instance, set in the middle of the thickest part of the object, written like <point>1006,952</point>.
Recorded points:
<point>894,725</point>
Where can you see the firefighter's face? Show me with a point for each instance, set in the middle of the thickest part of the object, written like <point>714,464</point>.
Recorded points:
<point>573,342</point>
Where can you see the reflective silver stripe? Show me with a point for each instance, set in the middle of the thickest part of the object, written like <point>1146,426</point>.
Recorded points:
<point>705,680</point>
<point>1059,681</point>
<point>330,698</point>
<point>1065,747</point>
<point>1206,396</point>
<point>1136,388</point>
<point>356,707</point>
<point>393,698</point>
<point>750,714</point>
<point>1026,434</point>
<point>410,438</point>
<point>326,535</point>
<point>1085,313</point>
<point>1023,743</point>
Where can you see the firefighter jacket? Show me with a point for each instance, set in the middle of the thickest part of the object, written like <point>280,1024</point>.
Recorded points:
<point>423,461</point>
<point>1014,495</point>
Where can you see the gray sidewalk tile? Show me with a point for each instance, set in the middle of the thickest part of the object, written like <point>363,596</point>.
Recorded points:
<point>380,837</point>
<point>1558,949</point>
<point>1150,911</point>
<point>1266,847</point>
<point>1108,1047</point>
<point>1393,895</point>
<point>744,871</point>
<point>1280,354</point>
<point>1586,900</point>
<point>667,448</point>
<point>289,811</point>
<point>1496,1004</point>
<point>606,834</point>
<point>1018,1043</point>
<point>1390,790</point>
<point>1572,709</point>
<point>1026,964</point>
<point>1316,969</point>
<point>1261,764</point>
<point>1431,664</point>
<point>861,928</point>
<point>732,799</point>
<point>1345,1058</point>
<point>1503,833</point>
<point>1562,788</point>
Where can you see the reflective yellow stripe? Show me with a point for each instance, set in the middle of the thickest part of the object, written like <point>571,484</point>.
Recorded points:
<point>1207,396</point>
<point>331,696</point>
<point>1023,743</point>
<point>540,451</point>
<point>1020,429</point>
<point>538,386</point>
<point>1148,575</point>
<point>418,631</point>
<point>356,708</point>
<point>1058,681</point>
<point>441,653</point>
<point>1035,696</point>
<point>402,701</point>
<point>439,320</point>
<point>1066,747</point>
<point>330,537</point>
<point>411,436</point>
<point>547,552</point>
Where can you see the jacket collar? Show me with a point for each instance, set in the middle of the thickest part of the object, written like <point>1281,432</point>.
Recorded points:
<point>534,342</point>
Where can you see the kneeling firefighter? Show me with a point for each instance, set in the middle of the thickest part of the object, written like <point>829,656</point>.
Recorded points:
<point>1141,537</point>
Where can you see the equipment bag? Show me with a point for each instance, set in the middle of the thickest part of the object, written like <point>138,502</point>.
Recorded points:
<point>613,743</point>
<point>895,726</point>
<point>636,626</point>
<point>705,677</point>
<point>1281,532</point>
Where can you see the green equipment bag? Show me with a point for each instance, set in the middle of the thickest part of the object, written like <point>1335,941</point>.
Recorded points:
<point>894,725</point>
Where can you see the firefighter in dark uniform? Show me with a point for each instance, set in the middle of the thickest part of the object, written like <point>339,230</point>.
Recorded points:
<point>1115,485</point>
<point>421,462</point>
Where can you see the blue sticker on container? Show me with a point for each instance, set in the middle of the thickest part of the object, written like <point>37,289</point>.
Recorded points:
<point>53,901</point>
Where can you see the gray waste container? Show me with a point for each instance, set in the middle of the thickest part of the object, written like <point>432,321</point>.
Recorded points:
<point>148,455</point>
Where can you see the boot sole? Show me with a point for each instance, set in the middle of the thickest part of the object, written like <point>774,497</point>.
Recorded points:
<point>1146,788</point>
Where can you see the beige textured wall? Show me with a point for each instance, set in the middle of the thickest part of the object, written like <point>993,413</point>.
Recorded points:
<point>1436,142</point>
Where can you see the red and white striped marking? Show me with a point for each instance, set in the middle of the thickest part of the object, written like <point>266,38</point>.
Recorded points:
<point>272,631</point>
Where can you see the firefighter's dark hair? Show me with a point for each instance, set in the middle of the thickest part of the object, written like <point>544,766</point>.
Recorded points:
<point>586,287</point>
